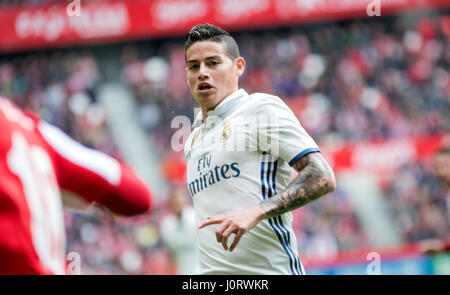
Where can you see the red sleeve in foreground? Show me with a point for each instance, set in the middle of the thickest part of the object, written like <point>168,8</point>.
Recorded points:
<point>131,196</point>
<point>96,176</point>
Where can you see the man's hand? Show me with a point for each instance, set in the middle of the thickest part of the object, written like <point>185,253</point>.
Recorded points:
<point>237,222</point>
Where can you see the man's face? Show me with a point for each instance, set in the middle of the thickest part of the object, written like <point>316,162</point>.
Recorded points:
<point>211,74</point>
<point>177,201</point>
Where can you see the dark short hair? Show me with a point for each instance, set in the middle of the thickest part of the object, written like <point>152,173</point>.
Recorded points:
<point>208,32</point>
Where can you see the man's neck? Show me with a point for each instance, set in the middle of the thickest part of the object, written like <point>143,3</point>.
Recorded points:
<point>205,112</point>
<point>206,109</point>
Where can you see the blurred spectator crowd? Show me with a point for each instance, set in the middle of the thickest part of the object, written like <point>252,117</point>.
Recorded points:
<point>348,81</point>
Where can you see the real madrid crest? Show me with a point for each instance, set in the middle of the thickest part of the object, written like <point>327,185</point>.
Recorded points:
<point>226,133</point>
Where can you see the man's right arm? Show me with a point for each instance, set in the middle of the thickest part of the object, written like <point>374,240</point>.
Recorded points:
<point>315,179</point>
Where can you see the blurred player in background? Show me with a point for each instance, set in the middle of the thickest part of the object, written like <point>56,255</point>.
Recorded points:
<point>36,159</point>
<point>245,191</point>
<point>178,232</point>
<point>442,163</point>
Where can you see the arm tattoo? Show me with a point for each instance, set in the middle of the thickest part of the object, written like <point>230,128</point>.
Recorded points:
<point>315,179</point>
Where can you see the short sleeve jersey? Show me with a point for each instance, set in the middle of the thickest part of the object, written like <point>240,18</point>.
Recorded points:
<point>240,155</point>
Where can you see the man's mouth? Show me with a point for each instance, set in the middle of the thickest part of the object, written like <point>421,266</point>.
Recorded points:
<point>204,87</point>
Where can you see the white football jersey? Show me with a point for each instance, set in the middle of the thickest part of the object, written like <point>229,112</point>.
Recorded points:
<point>237,157</point>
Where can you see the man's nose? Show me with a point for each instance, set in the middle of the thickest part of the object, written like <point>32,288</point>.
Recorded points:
<point>203,72</point>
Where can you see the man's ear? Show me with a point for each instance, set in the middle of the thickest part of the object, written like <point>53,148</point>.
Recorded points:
<point>240,66</point>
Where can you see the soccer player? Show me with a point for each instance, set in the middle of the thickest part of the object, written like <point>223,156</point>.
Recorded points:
<point>442,167</point>
<point>178,232</point>
<point>36,159</point>
<point>245,191</point>
<point>442,163</point>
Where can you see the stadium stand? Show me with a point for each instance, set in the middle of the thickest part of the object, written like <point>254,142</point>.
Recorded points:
<point>384,78</point>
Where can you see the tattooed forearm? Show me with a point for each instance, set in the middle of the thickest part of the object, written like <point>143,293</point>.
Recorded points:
<point>315,179</point>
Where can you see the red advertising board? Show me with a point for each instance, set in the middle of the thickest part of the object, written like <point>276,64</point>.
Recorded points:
<point>383,156</point>
<point>82,22</point>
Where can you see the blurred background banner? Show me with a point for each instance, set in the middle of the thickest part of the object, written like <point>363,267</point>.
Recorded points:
<point>57,23</point>
<point>383,156</point>
<point>369,80</point>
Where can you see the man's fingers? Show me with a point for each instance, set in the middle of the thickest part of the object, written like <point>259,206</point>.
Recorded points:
<point>236,239</point>
<point>211,220</point>
<point>224,243</point>
<point>225,236</point>
<point>219,233</point>
<point>225,230</point>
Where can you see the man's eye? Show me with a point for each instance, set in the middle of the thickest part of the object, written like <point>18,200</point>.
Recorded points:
<point>193,67</point>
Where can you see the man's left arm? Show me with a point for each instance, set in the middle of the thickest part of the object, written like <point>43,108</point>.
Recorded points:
<point>315,179</point>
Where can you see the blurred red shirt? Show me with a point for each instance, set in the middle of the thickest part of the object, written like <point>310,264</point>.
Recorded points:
<point>36,160</point>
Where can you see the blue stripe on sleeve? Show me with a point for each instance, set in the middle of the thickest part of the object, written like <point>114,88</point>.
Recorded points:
<point>301,154</point>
